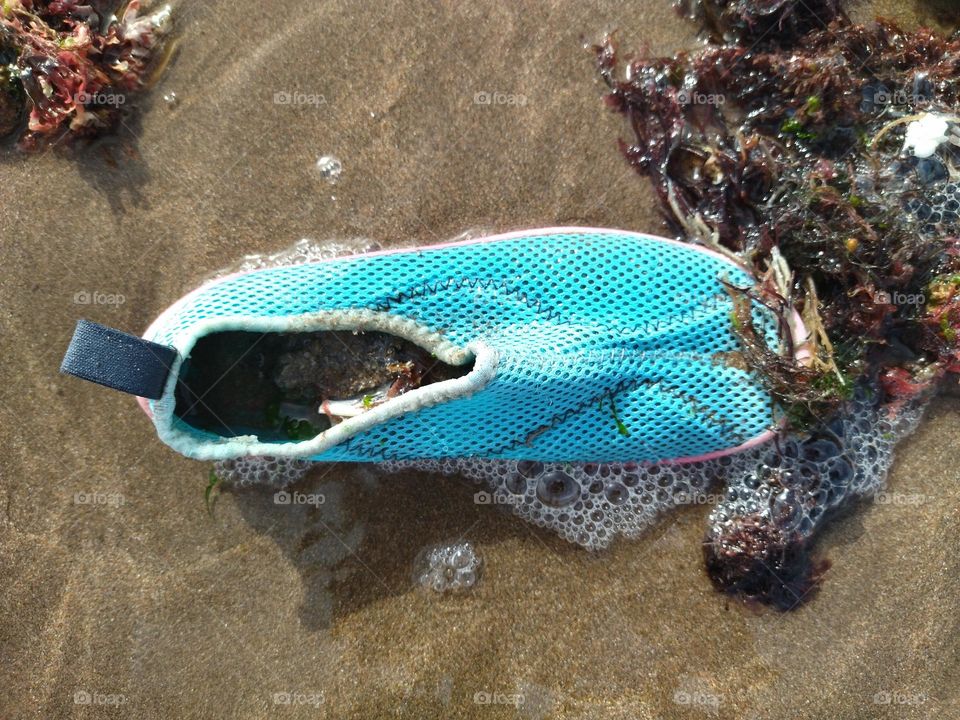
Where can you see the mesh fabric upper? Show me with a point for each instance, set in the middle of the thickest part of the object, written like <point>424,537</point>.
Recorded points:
<point>608,344</point>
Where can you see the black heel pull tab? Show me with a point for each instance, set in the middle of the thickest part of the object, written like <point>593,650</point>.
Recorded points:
<point>118,360</point>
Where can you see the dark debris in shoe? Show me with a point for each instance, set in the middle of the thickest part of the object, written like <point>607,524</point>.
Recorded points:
<point>292,386</point>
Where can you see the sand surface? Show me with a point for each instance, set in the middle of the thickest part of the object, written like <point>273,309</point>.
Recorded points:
<point>139,604</point>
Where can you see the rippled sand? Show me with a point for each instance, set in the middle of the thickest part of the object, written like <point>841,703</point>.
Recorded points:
<point>136,596</point>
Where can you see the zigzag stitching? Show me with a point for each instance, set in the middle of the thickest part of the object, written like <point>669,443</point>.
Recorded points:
<point>458,284</point>
<point>709,306</point>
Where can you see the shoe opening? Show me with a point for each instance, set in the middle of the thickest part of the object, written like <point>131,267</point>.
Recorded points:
<point>286,387</point>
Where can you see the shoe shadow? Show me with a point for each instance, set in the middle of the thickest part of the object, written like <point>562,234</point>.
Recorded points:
<point>355,532</point>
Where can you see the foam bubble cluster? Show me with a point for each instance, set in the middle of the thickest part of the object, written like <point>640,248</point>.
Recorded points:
<point>794,483</point>
<point>309,250</point>
<point>261,471</point>
<point>939,211</point>
<point>587,503</point>
<point>302,251</point>
<point>757,544</point>
<point>448,568</point>
<point>791,481</point>
<point>924,180</point>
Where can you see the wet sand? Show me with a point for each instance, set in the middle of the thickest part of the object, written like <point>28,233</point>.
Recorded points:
<point>139,602</point>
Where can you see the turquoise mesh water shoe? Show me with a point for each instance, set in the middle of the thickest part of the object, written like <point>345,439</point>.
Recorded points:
<point>566,344</point>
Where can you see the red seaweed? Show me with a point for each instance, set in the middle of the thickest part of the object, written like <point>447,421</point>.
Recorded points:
<point>755,560</point>
<point>792,160</point>
<point>826,158</point>
<point>72,66</point>
<point>751,22</point>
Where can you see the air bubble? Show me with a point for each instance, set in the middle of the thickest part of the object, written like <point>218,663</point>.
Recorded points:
<point>557,488</point>
<point>841,472</point>
<point>615,493</point>
<point>329,167</point>
<point>819,450</point>
<point>516,484</point>
<point>447,568</point>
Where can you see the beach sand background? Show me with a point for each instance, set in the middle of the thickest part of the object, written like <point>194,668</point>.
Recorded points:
<point>149,602</point>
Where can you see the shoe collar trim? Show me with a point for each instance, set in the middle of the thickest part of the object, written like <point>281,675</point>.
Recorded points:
<point>205,446</point>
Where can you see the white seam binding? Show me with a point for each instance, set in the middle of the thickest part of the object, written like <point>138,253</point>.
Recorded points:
<point>485,359</point>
